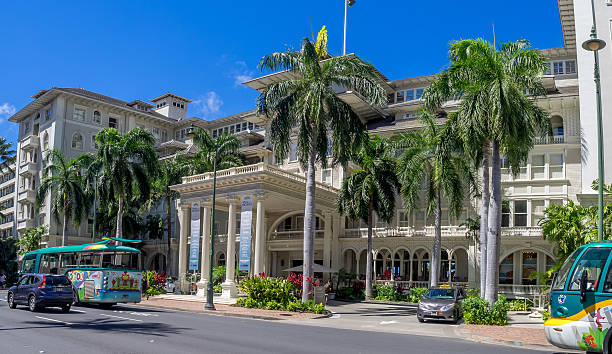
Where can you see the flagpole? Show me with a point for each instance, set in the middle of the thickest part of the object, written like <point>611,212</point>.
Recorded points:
<point>345,13</point>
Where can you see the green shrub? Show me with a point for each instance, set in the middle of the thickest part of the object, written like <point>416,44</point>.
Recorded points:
<point>250,303</point>
<point>476,310</point>
<point>545,315</point>
<point>240,302</point>
<point>293,306</point>
<point>320,309</point>
<point>519,305</point>
<point>217,288</point>
<point>218,275</point>
<point>273,305</point>
<point>415,294</point>
<point>264,290</point>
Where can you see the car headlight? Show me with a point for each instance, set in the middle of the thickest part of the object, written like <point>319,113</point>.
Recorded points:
<point>447,307</point>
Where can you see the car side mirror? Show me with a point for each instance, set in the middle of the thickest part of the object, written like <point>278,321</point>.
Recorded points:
<point>583,285</point>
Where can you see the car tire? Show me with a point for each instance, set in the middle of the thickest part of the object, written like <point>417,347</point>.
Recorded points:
<point>66,308</point>
<point>32,303</point>
<point>420,319</point>
<point>11,301</point>
<point>75,297</point>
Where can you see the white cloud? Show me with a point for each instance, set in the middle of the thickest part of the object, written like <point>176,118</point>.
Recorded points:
<point>7,109</point>
<point>241,73</point>
<point>210,103</point>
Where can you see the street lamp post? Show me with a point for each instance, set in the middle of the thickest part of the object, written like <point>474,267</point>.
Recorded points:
<point>209,291</point>
<point>594,45</point>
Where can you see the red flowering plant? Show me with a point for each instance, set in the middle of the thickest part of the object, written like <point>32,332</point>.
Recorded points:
<point>297,280</point>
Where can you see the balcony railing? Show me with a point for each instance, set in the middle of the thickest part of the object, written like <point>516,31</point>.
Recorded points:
<point>24,224</point>
<point>30,142</point>
<point>293,235</point>
<point>518,231</point>
<point>28,168</point>
<point>557,139</point>
<point>429,231</point>
<point>255,168</point>
<point>27,196</point>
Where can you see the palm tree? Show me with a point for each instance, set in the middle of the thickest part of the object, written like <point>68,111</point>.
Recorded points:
<point>432,158</point>
<point>370,189</point>
<point>307,104</point>
<point>227,151</point>
<point>63,179</point>
<point>7,155</point>
<point>496,114</point>
<point>170,173</point>
<point>128,163</point>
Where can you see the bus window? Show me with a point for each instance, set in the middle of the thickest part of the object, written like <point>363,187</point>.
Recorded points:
<point>129,261</point>
<point>608,284</point>
<point>29,263</point>
<point>559,281</point>
<point>90,260</point>
<point>48,264</point>
<point>592,261</point>
<point>107,260</point>
<point>68,260</point>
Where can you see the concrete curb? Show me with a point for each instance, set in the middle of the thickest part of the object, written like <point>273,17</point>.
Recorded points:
<point>230,314</point>
<point>464,334</point>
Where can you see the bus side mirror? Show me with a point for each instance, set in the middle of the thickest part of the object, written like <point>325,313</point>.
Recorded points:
<point>583,285</point>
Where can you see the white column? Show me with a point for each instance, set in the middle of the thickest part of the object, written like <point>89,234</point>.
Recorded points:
<point>327,241</point>
<point>205,244</point>
<point>229,286</point>
<point>259,236</point>
<point>182,256</point>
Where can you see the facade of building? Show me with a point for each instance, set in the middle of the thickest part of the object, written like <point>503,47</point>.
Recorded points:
<point>7,200</point>
<point>559,168</point>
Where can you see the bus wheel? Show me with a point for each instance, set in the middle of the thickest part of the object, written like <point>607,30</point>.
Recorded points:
<point>607,344</point>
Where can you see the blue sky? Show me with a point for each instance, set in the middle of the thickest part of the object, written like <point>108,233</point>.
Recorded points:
<point>204,49</point>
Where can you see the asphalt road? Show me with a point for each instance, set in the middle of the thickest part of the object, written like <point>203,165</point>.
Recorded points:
<point>136,329</point>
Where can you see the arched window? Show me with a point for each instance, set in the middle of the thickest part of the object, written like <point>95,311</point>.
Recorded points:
<point>557,125</point>
<point>45,141</point>
<point>97,118</point>
<point>77,141</point>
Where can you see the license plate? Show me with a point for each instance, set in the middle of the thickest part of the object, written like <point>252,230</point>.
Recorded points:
<point>433,313</point>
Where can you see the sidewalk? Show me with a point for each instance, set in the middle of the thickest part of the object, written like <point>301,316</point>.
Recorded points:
<point>223,307</point>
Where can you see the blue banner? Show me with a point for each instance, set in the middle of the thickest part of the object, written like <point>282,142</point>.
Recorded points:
<point>194,248</point>
<point>246,217</point>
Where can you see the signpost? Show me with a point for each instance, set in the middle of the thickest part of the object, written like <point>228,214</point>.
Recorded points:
<point>195,237</point>
<point>246,218</point>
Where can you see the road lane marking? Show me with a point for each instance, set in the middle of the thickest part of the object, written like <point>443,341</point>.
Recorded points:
<point>123,318</point>
<point>387,322</point>
<point>79,311</point>
<point>52,320</point>
<point>3,300</point>
<point>144,314</point>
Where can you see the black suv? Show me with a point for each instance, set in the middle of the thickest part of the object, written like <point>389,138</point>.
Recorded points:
<point>41,290</point>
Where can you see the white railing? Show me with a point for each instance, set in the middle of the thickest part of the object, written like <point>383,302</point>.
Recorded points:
<point>428,231</point>
<point>530,231</point>
<point>521,290</point>
<point>557,139</point>
<point>261,167</point>
<point>293,235</point>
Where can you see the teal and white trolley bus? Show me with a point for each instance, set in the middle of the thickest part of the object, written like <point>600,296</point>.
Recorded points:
<point>581,300</point>
<point>100,272</point>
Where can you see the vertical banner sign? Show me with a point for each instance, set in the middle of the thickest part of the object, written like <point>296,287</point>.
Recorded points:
<point>194,248</point>
<point>246,216</point>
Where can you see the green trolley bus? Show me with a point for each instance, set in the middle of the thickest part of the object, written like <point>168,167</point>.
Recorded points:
<point>100,272</point>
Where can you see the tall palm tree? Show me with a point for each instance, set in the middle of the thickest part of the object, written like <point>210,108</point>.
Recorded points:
<point>128,164</point>
<point>63,179</point>
<point>494,112</point>
<point>370,189</point>
<point>307,104</point>
<point>227,151</point>
<point>170,173</point>
<point>432,158</point>
<point>7,154</point>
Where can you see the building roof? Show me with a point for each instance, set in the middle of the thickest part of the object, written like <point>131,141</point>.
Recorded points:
<point>169,94</point>
<point>566,14</point>
<point>43,97</point>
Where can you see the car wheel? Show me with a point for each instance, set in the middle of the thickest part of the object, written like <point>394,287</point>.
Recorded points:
<point>420,319</point>
<point>66,308</point>
<point>32,303</point>
<point>11,301</point>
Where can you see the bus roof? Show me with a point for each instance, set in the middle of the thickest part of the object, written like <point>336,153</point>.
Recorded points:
<point>607,243</point>
<point>88,247</point>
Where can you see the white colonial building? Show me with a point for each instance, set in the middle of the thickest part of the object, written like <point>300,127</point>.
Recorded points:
<point>559,168</point>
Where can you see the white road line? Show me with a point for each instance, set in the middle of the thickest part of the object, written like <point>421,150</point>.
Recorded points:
<point>79,311</point>
<point>387,322</point>
<point>123,318</point>
<point>52,320</point>
<point>3,300</point>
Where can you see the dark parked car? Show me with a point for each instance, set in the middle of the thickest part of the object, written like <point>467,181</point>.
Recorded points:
<point>441,303</point>
<point>41,290</point>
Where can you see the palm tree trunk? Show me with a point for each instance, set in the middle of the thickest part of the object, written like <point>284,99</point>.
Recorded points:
<point>65,225</point>
<point>119,232</point>
<point>484,217</point>
<point>369,260</point>
<point>434,274</point>
<point>494,226</point>
<point>309,224</point>
<point>169,222</point>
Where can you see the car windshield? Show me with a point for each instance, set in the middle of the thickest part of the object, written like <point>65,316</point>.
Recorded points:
<point>440,294</point>
<point>61,280</point>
